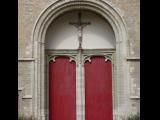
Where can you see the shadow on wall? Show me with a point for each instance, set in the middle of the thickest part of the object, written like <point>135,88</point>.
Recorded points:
<point>62,35</point>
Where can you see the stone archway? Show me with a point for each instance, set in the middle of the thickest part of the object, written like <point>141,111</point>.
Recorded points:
<point>100,7</point>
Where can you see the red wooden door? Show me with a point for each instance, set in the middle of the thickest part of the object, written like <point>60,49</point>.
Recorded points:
<point>62,89</point>
<point>98,89</point>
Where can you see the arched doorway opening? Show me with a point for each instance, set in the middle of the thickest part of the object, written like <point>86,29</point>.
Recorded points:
<point>79,65</point>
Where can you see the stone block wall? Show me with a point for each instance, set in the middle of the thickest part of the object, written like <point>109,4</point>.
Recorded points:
<point>25,77</point>
<point>28,13</point>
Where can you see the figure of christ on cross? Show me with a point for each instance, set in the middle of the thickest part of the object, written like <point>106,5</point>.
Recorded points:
<point>80,25</point>
<point>80,82</point>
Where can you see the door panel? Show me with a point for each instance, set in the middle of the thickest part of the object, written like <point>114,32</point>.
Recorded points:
<point>62,89</point>
<point>98,89</point>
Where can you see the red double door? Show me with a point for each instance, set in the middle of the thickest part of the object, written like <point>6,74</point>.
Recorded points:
<point>62,89</point>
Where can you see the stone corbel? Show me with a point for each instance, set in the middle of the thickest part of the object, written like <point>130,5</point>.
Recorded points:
<point>108,57</point>
<point>87,58</point>
<point>72,58</point>
<point>51,58</point>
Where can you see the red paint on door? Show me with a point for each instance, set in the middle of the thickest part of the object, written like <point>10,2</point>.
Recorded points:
<point>62,89</point>
<point>98,89</point>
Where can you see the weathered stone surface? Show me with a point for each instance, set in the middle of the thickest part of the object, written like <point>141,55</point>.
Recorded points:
<point>25,77</point>
<point>28,13</point>
<point>30,10</point>
<point>24,88</point>
<point>134,73</point>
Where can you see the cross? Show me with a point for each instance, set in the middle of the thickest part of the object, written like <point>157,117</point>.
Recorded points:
<point>80,25</point>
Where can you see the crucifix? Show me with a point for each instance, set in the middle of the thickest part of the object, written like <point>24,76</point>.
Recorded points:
<point>80,25</point>
<point>80,96</point>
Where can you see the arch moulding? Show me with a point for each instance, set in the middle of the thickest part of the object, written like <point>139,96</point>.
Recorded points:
<point>57,8</point>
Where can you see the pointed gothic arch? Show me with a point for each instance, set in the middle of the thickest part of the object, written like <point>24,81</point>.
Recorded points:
<point>57,8</point>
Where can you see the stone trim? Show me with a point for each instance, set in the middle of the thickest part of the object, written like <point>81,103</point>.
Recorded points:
<point>133,58</point>
<point>27,97</point>
<point>135,97</point>
<point>89,57</point>
<point>20,89</point>
<point>26,59</point>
